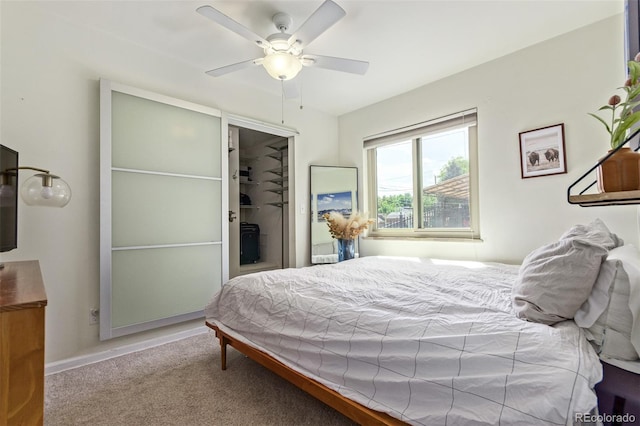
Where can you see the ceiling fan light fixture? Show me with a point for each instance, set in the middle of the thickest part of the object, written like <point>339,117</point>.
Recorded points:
<point>278,42</point>
<point>283,52</point>
<point>282,65</point>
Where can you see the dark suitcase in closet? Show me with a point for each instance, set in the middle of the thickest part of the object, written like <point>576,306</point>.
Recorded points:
<point>249,243</point>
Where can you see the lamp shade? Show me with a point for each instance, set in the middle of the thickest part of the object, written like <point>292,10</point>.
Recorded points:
<point>47,190</point>
<point>282,65</point>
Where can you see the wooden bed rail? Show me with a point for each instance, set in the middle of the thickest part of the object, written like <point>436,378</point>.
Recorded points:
<point>353,410</point>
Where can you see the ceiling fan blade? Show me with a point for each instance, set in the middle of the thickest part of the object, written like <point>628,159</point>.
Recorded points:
<point>337,64</point>
<point>222,19</point>
<point>290,89</point>
<point>234,67</point>
<point>321,20</point>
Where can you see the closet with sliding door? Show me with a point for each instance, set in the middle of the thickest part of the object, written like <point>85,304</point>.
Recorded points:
<point>189,197</point>
<point>258,201</point>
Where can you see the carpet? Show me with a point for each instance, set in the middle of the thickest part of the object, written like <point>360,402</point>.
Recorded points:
<point>180,383</point>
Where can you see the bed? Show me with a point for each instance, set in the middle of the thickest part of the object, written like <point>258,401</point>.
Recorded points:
<point>388,340</point>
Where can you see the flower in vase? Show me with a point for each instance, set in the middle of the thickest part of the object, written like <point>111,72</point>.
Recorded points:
<point>623,116</point>
<point>344,228</point>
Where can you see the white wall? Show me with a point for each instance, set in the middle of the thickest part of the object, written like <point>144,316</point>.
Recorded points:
<point>49,104</point>
<point>558,81</point>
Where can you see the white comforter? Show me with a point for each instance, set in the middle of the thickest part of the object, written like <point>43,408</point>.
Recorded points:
<point>429,342</point>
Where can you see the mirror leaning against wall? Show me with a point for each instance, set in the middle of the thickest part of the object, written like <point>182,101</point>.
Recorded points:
<point>332,189</point>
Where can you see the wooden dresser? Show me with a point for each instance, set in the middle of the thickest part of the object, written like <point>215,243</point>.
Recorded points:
<point>22,303</point>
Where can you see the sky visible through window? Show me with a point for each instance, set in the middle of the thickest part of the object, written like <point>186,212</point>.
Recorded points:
<point>395,168</point>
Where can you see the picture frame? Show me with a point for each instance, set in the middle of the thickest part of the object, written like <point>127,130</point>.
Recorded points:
<point>335,201</point>
<point>542,151</point>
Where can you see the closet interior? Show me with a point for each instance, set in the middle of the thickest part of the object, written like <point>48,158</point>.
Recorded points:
<point>258,199</point>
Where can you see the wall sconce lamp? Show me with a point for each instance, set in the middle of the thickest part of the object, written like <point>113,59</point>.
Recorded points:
<point>42,189</point>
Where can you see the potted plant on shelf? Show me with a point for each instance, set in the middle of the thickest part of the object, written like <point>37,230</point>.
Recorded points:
<point>621,171</point>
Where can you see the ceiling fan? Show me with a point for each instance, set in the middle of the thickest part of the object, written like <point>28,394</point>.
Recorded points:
<point>283,52</point>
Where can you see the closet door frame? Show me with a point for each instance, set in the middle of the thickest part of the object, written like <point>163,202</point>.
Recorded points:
<point>107,330</point>
<point>281,131</point>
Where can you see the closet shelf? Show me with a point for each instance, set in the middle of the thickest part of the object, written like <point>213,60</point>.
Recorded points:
<point>280,171</point>
<point>278,204</point>
<point>279,180</point>
<point>278,155</point>
<point>257,267</point>
<point>247,206</point>
<point>278,190</point>
<point>283,145</point>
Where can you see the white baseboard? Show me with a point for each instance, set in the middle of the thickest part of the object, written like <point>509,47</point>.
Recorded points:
<point>75,362</point>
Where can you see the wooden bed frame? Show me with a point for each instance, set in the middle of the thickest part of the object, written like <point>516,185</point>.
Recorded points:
<point>355,411</point>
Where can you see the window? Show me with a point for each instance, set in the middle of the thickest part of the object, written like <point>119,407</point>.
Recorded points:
<point>422,180</point>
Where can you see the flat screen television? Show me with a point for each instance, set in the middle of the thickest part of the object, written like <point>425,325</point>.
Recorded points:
<point>632,44</point>
<point>8,199</point>
<point>632,29</point>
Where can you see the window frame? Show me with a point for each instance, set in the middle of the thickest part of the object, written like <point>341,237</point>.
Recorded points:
<point>414,134</point>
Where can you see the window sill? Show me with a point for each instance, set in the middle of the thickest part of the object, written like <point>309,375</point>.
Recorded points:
<point>429,238</point>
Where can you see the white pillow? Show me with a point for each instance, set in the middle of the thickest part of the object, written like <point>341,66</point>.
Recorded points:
<point>556,279</point>
<point>612,322</point>
<point>598,300</point>
<point>594,233</point>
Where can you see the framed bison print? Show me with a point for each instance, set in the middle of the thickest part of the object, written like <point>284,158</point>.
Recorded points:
<point>542,151</point>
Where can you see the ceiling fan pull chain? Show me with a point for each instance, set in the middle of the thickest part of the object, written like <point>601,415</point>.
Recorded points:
<point>301,91</point>
<point>282,101</point>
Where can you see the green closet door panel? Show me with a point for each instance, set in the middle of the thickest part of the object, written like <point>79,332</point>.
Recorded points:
<point>150,135</point>
<point>158,210</point>
<point>151,284</point>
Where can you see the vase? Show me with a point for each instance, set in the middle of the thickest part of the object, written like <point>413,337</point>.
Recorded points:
<point>620,172</point>
<point>346,249</point>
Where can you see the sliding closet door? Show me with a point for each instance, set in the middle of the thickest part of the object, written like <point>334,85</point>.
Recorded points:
<point>163,192</point>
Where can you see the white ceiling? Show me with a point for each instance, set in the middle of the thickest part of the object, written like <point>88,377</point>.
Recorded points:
<point>408,43</point>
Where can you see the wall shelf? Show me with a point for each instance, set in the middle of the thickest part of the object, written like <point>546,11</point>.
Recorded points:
<point>606,199</point>
<point>585,199</point>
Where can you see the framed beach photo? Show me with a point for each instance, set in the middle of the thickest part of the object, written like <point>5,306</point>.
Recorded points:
<point>334,202</point>
<point>542,152</point>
